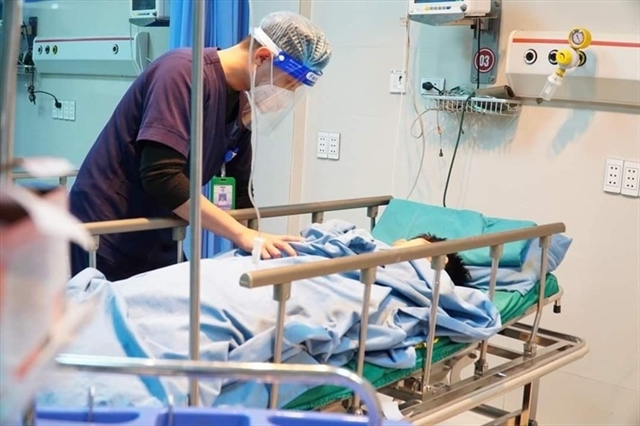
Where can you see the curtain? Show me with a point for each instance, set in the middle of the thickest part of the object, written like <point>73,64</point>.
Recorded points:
<point>226,23</point>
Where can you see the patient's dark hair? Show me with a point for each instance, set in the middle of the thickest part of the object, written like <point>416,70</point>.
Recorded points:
<point>454,267</point>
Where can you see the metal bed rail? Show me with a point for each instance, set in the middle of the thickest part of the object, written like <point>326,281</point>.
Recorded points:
<point>62,179</point>
<point>315,209</point>
<point>260,372</point>
<point>282,278</point>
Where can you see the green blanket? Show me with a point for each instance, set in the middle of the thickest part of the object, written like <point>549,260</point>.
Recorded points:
<point>510,304</point>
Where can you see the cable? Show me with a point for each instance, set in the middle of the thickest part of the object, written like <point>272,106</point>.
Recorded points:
<point>455,150</point>
<point>405,64</point>
<point>479,30</point>
<point>424,150</point>
<point>427,85</point>
<point>32,94</point>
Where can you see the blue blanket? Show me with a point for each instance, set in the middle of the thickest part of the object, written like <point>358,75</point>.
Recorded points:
<point>147,316</point>
<point>406,219</point>
<point>522,279</point>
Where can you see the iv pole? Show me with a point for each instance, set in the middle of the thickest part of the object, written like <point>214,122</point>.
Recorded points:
<point>11,42</point>
<point>195,190</point>
<point>12,19</point>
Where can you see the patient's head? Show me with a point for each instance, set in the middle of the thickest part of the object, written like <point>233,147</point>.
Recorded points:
<point>453,265</point>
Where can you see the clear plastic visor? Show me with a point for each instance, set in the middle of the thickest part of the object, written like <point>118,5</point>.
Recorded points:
<point>277,86</point>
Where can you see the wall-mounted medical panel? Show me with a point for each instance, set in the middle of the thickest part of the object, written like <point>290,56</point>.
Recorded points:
<point>117,56</point>
<point>610,75</point>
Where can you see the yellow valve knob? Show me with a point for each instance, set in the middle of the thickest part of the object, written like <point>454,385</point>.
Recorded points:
<point>564,57</point>
<point>580,38</point>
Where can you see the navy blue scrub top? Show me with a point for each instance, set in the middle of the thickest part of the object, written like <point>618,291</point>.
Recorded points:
<point>155,108</point>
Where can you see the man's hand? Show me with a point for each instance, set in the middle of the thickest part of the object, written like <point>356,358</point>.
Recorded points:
<point>273,245</point>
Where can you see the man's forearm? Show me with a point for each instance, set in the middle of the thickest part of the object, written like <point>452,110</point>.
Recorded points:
<point>213,219</point>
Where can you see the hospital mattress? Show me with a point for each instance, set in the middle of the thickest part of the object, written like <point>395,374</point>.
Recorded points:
<point>512,305</point>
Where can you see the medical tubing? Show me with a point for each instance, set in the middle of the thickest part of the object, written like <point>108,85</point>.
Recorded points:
<point>254,127</point>
<point>455,150</point>
<point>195,217</point>
<point>405,57</point>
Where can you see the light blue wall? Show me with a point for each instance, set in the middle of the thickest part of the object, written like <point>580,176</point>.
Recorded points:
<point>37,133</point>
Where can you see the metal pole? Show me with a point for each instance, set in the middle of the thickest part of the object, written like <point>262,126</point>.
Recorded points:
<point>367,277</point>
<point>10,46</point>
<point>496,254</point>
<point>437,264</point>
<point>179,235</point>
<point>281,293</point>
<point>530,346</point>
<point>195,189</point>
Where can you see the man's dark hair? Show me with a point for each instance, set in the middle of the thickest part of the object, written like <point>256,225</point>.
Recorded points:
<point>456,270</point>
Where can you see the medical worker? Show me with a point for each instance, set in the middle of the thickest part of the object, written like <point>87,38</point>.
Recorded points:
<point>139,164</point>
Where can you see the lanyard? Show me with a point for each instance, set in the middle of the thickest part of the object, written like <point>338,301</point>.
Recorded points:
<point>230,153</point>
<point>228,156</point>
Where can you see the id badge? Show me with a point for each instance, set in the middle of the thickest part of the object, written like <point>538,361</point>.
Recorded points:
<point>224,192</point>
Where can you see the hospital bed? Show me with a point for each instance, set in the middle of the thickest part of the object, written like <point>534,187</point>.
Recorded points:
<point>448,378</point>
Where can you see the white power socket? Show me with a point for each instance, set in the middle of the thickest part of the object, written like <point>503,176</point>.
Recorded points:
<point>398,81</point>
<point>322,145</point>
<point>613,175</point>
<point>436,81</point>
<point>334,146</point>
<point>630,176</point>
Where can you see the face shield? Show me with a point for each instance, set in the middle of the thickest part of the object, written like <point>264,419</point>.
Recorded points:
<point>277,85</point>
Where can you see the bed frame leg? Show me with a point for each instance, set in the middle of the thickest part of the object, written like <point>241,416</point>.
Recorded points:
<point>93,252</point>
<point>281,294</point>
<point>317,217</point>
<point>372,214</point>
<point>529,404</point>
<point>179,234</point>
<point>557,307</point>
<point>29,416</point>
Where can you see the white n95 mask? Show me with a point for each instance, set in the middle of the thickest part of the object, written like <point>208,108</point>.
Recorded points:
<point>272,99</point>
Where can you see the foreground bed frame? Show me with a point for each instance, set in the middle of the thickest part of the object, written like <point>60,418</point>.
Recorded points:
<point>441,390</point>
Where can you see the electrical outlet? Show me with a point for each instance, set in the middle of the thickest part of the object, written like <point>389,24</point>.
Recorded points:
<point>613,175</point>
<point>398,81</point>
<point>72,111</point>
<point>630,176</point>
<point>436,81</point>
<point>65,110</point>
<point>55,111</point>
<point>323,141</point>
<point>334,146</point>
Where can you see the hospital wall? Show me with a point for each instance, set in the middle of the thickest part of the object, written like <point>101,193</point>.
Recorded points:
<point>37,133</point>
<point>546,165</point>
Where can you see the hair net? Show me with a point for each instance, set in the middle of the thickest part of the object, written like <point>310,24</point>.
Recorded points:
<point>299,38</point>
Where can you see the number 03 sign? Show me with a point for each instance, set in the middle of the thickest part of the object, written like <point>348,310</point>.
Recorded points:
<point>484,60</point>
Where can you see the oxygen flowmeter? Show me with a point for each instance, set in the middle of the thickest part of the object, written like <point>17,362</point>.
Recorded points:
<point>567,58</point>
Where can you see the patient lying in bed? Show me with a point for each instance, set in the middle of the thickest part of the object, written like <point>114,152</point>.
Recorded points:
<point>148,316</point>
<point>454,267</point>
